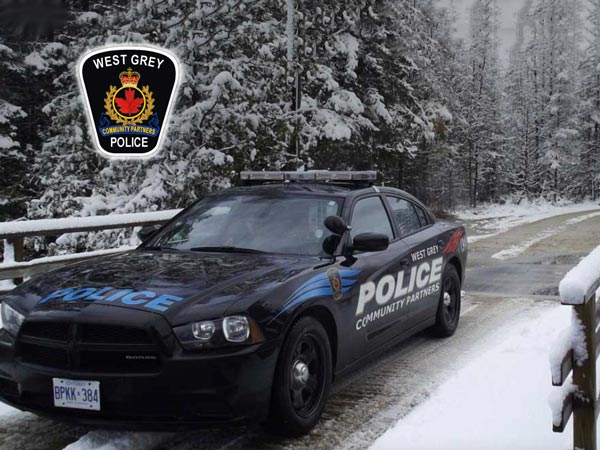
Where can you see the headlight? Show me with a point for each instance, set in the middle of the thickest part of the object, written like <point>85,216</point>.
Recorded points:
<point>236,328</point>
<point>11,319</point>
<point>219,333</point>
<point>203,330</point>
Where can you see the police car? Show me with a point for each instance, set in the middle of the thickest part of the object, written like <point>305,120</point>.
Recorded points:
<point>245,307</point>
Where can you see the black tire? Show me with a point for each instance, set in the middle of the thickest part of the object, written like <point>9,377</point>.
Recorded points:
<point>448,311</point>
<point>302,379</point>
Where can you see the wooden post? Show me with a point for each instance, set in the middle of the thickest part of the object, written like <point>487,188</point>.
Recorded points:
<point>584,377</point>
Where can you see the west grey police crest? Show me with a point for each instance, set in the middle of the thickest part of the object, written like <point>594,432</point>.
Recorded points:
<point>128,92</point>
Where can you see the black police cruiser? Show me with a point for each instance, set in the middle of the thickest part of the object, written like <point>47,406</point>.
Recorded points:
<point>244,307</point>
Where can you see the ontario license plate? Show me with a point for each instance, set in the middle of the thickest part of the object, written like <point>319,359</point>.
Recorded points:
<point>78,394</point>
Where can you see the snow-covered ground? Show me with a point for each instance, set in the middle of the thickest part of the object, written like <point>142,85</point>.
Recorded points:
<point>112,440</point>
<point>490,220</point>
<point>522,247</point>
<point>498,401</point>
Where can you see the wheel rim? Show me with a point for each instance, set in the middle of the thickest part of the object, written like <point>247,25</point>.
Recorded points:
<point>306,376</point>
<point>450,297</point>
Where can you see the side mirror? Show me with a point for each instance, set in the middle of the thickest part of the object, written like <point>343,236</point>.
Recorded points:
<point>371,242</point>
<point>330,244</point>
<point>336,225</point>
<point>146,232</point>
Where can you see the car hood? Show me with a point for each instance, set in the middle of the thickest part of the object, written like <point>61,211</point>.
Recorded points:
<point>182,286</point>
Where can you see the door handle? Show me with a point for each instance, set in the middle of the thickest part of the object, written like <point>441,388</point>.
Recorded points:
<point>404,263</point>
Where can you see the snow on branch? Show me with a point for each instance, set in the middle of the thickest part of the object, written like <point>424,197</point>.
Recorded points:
<point>581,279</point>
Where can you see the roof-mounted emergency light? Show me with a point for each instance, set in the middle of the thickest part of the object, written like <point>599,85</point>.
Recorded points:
<point>323,176</point>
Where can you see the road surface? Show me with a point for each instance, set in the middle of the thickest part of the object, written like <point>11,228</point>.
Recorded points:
<point>512,274</point>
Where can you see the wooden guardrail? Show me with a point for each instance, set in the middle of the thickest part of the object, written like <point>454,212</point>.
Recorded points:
<point>580,396</point>
<point>14,233</point>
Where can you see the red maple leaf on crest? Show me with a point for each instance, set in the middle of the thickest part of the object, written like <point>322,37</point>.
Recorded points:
<point>129,104</point>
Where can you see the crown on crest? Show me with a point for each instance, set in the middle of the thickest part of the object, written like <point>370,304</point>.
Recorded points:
<point>129,77</point>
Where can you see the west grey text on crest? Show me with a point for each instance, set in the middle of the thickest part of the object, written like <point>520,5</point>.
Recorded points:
<point>133,60</point>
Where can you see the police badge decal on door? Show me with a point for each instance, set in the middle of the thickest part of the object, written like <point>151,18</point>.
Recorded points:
<point>128,93</point>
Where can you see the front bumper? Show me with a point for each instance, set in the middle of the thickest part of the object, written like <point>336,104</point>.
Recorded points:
<point>188,389</point>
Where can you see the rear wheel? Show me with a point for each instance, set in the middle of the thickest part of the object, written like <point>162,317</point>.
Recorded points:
<point>448,312</point>
<point>302,379</point>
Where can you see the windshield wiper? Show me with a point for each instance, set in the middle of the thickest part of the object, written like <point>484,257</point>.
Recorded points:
<point>226,249</point>
<point>158,247</point>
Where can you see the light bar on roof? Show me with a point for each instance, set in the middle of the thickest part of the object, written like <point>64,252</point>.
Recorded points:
<point>262,176</point>
<point>311,175</point>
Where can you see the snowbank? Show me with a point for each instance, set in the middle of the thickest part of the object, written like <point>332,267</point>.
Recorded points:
<point>498,401</point>
<point>581,279</point>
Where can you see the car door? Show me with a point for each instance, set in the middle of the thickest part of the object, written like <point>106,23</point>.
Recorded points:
<point>376,316</point>
<point>426,258</point>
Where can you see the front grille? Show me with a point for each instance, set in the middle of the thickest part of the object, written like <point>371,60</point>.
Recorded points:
<point>44,356</point>
<point>111,334</point>
<point>88,347</point>
<point>54,331</point>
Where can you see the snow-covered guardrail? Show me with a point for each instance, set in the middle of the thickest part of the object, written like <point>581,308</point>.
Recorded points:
<point>576,351</point>
<point>13,234</point>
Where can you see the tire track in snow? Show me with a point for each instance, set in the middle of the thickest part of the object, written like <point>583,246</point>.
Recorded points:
<point>520,248</point>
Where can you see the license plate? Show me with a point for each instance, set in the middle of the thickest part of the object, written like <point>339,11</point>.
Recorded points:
<point>78,394</point>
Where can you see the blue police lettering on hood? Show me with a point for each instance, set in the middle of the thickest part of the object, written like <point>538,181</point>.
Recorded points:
<point>147,299</point>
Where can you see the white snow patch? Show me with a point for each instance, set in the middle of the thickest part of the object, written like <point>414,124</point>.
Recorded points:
<point>556,400</point>
<point>571,338</point>
<point>346,102</point>
<point>111,440</point>
<point>6,142</point>
<point>493,219</point>
<point>521,247</point>
<point>88,16</point>
<point>36,60</point>
<point>9,252</point>
<point>498,401</point>
<point>580,279</point>
<point>7,285</point>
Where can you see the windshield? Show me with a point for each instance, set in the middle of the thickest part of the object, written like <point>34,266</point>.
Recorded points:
<point>251,223</point>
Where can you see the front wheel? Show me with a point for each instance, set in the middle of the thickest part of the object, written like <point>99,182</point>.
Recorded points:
<point>448,312</point>
<point>302,379</point>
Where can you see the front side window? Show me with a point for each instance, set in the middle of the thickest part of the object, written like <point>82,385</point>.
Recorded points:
<point>369,216</point>
<point>251,223</point>
<point>405,215</point>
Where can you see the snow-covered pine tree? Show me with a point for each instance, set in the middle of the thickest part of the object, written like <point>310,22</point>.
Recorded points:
<point>517,109</point>
<point>484,137</point>
<point>586,179</point>
<point>13,154</point>
<point>447,83</point>
<point>552,57</point>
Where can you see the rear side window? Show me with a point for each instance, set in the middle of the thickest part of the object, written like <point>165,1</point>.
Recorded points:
<point>405,215</point>
<point>422,217</point>
<point>369,216</point>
